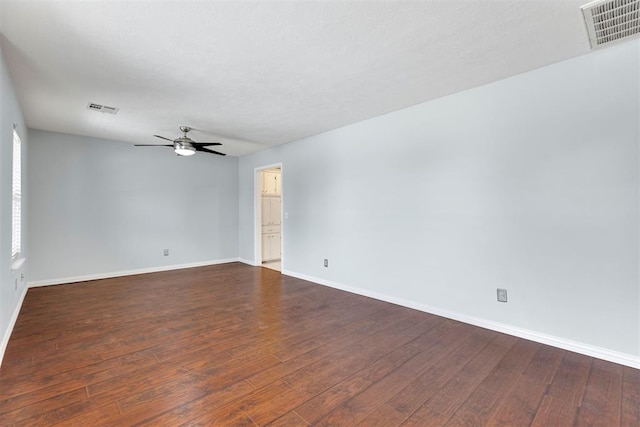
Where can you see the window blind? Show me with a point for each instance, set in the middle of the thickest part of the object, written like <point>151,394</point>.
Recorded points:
<point>16,191</point>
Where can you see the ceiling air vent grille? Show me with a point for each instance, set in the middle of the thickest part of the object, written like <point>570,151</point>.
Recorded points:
<point>102,108</point>
<point>611,20</point>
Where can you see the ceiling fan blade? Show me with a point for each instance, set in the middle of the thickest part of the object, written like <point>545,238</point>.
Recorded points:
<point>205,144</point>
<point>206,150</point>
<point>162,137</point>
<point>152,145</point>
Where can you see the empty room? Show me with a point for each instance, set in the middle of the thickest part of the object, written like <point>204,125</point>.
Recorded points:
<point>320,213</point>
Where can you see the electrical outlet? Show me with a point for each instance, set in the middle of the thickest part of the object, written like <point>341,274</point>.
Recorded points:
<point>166,252</point>
<point>326,262</point>
<point>502,295</point>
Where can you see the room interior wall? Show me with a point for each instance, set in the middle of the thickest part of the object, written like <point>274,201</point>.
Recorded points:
<point>529,184</point>
<point>12,282</point>
<point>103,208</point>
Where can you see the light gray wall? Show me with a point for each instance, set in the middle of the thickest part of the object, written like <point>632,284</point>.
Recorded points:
<point>529,184</point>
<point>10,114</point>
<point>103,207</point>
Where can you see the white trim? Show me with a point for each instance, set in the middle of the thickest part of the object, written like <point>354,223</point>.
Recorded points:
<point>17,202</point>
<point>12,324</point>
<point>248,262</point>
<point>565,344</point>
<point>63,280</point>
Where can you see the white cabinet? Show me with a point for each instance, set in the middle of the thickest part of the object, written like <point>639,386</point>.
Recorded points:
<point>271,247</point>
<point>271,183</point>
<point>271,213</point>
<point>271,210</point>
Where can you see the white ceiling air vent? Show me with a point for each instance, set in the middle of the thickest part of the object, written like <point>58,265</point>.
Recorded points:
<point>102,108</point>
<point>611,20</point>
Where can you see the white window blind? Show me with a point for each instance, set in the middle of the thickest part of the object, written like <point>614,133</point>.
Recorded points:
<point>16,191</point>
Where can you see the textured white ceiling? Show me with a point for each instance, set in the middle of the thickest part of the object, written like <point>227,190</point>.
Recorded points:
<point>254,74</point>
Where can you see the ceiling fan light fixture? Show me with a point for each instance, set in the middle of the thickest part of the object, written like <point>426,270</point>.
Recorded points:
<point>183,148</point>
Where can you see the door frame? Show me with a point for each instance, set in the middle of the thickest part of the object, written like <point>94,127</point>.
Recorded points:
<point>257,211</point>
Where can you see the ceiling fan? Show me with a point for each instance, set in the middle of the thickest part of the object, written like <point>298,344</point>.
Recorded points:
<point>185,146</point>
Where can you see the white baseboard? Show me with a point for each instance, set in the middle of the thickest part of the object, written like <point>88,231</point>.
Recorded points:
<point>12,323</point>
<point>565,344</point>
<point>248,262</point>
<point>62,280</point>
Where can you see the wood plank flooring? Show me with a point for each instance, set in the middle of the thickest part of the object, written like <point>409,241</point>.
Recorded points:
<point>239,345</point>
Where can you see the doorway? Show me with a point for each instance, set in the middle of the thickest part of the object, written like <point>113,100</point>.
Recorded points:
<point>268,242</point>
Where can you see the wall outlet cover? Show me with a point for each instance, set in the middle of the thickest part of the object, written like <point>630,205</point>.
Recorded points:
<point>502,295</point>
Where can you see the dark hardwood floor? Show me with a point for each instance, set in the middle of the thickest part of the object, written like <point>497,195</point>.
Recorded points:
<point>239,345</point>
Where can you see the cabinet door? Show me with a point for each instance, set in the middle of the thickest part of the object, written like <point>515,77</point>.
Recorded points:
<point>274,246</point>
<point>266,211</point>
<point>273,183</point>
<point>278,183</point>
<point>275,210</point>
<point>270,247</point>
<point>266,247</point>
<point>269,182</point>
<point>271,210</point>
